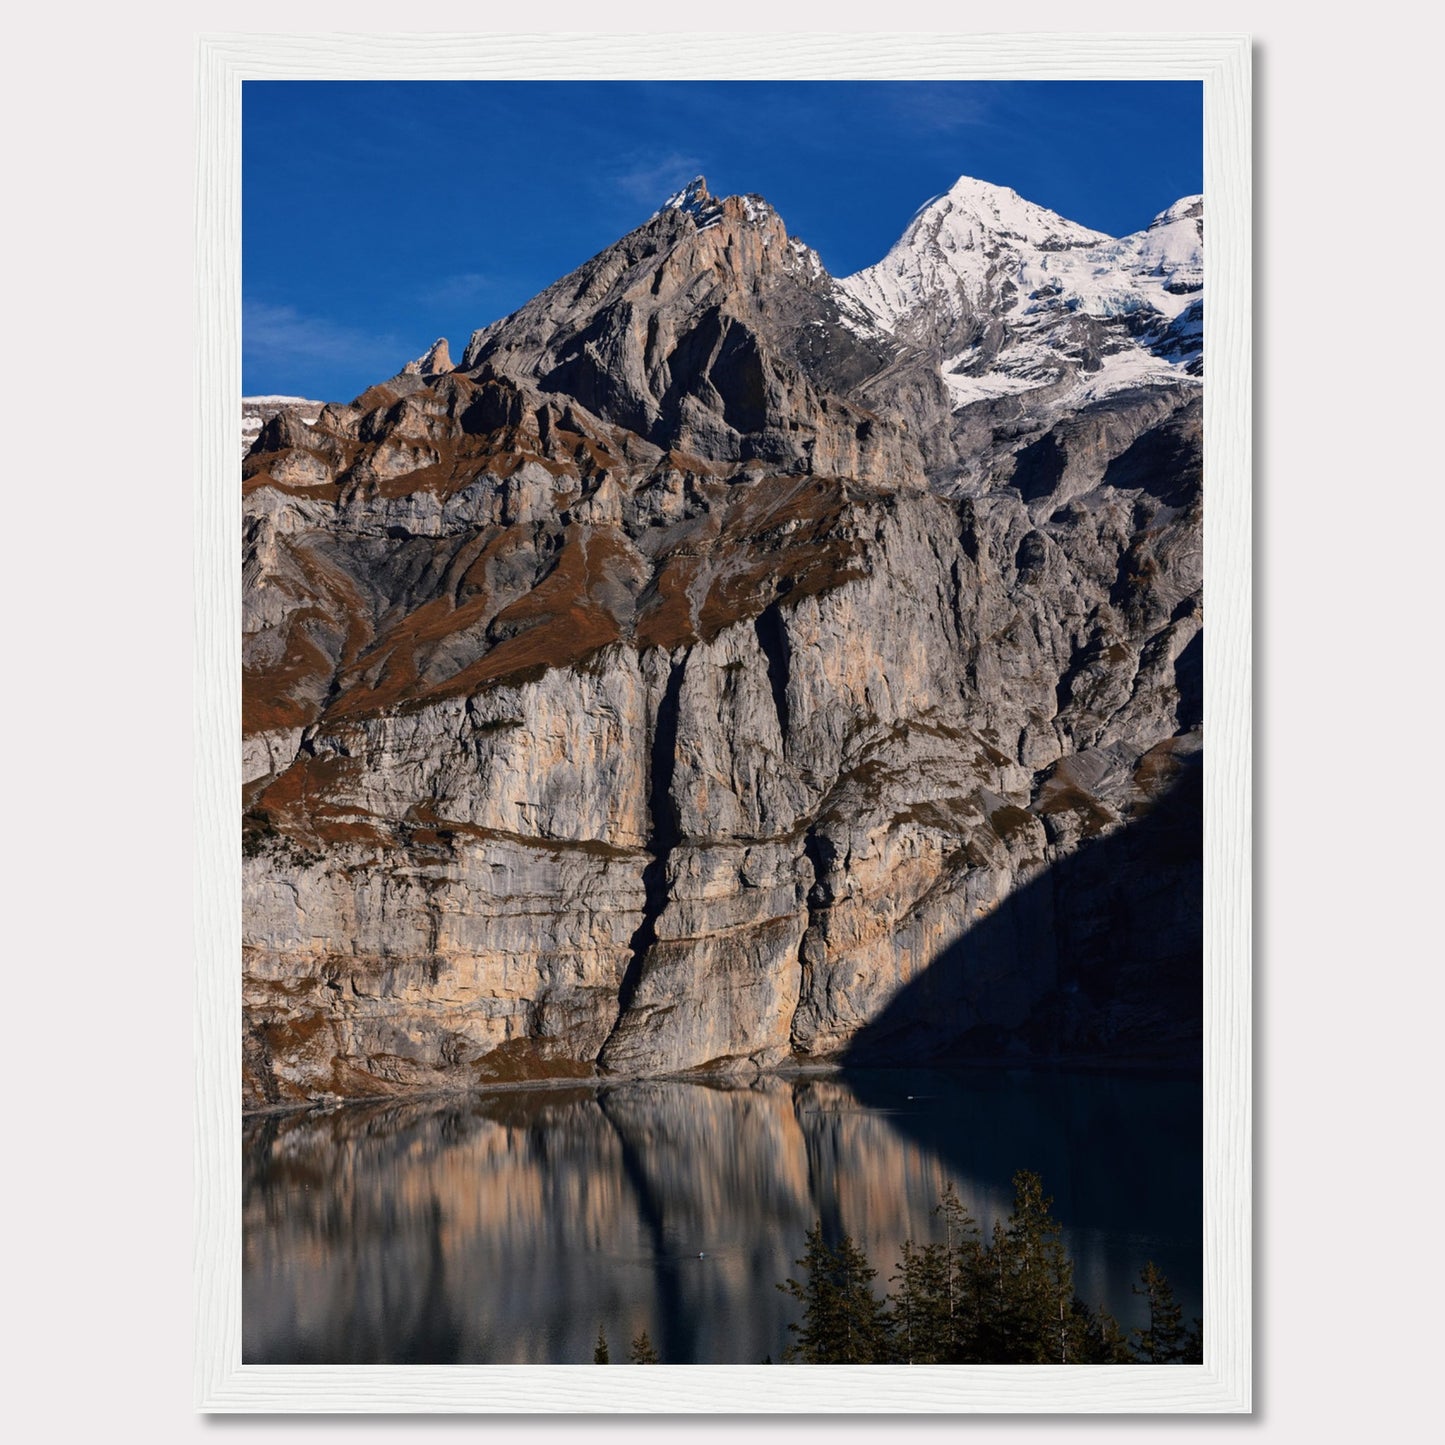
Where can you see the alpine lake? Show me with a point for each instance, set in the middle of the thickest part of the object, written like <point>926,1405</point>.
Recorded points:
<point>510,1227</point>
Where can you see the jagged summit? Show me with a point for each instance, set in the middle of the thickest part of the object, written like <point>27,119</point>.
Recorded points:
<point>708,210</point>
<point>437,361</point>
<point>710,330</point>
<point>694,198</point>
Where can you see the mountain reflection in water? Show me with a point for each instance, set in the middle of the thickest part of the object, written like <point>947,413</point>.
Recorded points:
<point>505,1228</point>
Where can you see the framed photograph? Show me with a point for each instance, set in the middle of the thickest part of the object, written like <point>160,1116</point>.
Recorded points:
<point>711,654</point>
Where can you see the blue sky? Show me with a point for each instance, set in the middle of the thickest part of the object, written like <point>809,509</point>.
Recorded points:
<point>380,215</point>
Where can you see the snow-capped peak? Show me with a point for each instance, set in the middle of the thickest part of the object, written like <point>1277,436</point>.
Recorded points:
<point>1171,249</point>
<point>1019,299</point>
<point>978,244</point>
<point>708,210</point>
<point>957,248</point>
<point>694,198</point>
<point>1001,211</point>
<point>1186,208</point>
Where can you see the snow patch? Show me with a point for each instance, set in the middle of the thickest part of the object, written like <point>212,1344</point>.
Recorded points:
<point>965,390</point>
<point>811,261</point>
<point>694,198</point>
<point>1030,369</point>
<point>1054,297</point>
<point>959,251</point>
<point>756,209</point>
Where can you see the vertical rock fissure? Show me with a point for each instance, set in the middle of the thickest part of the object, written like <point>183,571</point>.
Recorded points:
<point>664,831</point>
<point>773,639</point>
<point>819,851</point>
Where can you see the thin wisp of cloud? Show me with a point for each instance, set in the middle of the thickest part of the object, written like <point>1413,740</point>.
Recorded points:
<point>283,335</point>
<point>940,110</point>
<point>649,178</point>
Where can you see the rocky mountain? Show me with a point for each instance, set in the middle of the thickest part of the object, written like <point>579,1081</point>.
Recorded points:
<point>256,411</point>
<point>727,666</point>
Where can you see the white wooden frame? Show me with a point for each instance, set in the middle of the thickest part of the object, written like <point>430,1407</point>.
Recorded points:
<point>1222,1383</point>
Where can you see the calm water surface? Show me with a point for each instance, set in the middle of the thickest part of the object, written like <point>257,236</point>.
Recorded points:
<point>506,1228</point>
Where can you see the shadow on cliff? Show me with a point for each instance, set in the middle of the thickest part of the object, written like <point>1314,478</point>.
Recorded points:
<point>1120,1153</point>
<point>1097,961</point>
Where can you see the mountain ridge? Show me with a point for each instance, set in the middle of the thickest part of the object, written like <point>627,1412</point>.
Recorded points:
<point>688,673</point>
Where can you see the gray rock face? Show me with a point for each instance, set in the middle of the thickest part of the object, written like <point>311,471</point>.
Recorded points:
<point>682,681</point>
<point>256,411</point>
<point>436,362</point>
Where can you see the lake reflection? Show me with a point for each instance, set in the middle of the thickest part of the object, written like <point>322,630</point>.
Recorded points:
<point>506,1228</point>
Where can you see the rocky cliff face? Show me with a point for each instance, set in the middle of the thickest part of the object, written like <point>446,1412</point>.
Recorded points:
<point>256,411</point>
<point>696,676</point>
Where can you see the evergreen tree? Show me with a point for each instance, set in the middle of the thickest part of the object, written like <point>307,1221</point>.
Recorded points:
<point>642,1352</point>
<point>913,1327</point>
<point>993,1341</point>
<point>843,1323</point>
<point>1164,1341</point>
<point>1030,1283</point>
<point>961,1301</point>
<point>1104,1342</point>
<point>600,1355</point>
<point>818,1295</point>
<point>935,1314</point>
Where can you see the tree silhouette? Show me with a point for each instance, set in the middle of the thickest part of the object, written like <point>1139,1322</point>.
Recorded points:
<point>935,1312</point>
<point>1165,1341</point>
<point>843,1323</point>
<point>963,1301</point>
<point>1031,1315</point>
<point>642,1352</point>
<point>1104,1342</point>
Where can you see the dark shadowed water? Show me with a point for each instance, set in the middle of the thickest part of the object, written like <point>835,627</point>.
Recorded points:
<point>505,1228</point>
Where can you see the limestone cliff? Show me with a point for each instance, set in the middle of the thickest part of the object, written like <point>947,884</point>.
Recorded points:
<point>694,677</point>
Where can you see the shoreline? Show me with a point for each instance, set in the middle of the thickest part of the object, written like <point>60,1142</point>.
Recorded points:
<point>737,1078</point>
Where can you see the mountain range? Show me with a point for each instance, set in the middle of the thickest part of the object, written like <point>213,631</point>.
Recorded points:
<point>726,666</point>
